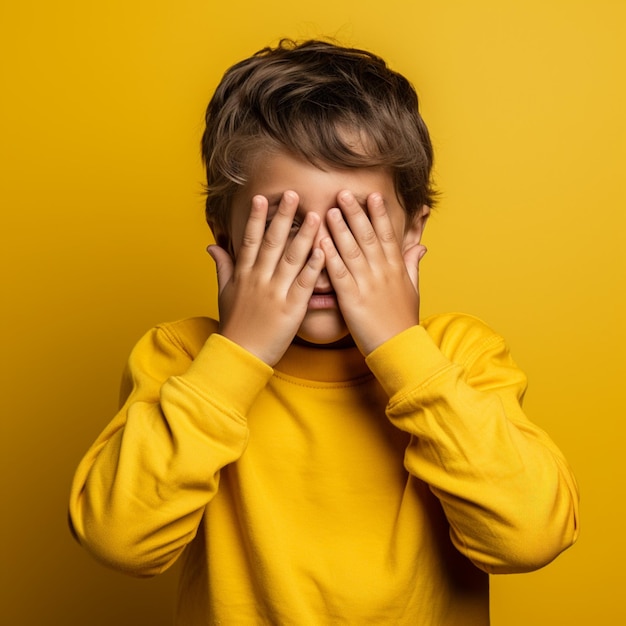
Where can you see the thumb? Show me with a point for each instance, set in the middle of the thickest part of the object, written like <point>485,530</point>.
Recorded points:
<point>412,258</point>
<point>223,263</point>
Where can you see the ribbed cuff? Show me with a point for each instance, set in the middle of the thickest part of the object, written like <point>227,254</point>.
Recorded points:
<point>227,374</point>
<point>406,360</point>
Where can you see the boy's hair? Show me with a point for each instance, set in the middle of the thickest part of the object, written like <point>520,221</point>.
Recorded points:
<point>328,104</point>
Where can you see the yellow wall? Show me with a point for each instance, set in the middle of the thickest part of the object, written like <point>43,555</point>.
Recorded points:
<point>103,236</point>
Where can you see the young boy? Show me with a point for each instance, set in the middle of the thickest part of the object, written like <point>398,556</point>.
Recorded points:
<point>322,455</point>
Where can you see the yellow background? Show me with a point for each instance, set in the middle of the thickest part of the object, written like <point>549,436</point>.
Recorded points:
<point>103,236</point>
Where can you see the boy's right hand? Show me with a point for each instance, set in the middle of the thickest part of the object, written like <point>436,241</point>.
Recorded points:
<point>265,291</point>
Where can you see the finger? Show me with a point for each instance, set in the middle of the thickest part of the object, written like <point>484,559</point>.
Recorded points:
<point>412,258</point>
<point>253,232</point>
<point>344,243</point>
<point>359,224</point>
<point>224,265</point>
<point>299,249</point>
<point>280,228</point>
<point>383,227</point>
<point>338,271</point>
<point>303,285</point>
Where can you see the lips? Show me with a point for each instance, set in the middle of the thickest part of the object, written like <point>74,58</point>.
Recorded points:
<point>323,298</point>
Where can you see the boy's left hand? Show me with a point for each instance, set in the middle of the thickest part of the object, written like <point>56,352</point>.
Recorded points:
<point>375,282</point>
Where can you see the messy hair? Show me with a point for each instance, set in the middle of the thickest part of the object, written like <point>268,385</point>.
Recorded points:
<point>327,104</point>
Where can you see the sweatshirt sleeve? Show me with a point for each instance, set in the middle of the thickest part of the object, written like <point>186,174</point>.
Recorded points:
<point>140,492</point>
<point>508,494</point>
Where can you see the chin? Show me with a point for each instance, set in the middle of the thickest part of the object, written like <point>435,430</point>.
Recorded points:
<point>324,331</point>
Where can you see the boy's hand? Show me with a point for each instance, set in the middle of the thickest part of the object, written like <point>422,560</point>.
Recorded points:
<point>376,284</point>
<point>264,294</point>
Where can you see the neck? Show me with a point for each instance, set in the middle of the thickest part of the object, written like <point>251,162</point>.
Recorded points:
<point>340,361</point>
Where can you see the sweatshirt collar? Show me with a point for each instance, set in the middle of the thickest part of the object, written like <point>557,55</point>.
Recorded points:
<point>323,364</point>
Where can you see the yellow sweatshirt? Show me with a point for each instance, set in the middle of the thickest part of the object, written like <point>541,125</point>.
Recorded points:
<point>330,489</point>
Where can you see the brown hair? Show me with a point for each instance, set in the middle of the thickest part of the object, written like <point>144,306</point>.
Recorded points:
<point>313,99</point>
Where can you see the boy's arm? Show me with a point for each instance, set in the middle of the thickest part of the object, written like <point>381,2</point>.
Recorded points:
<point>508,494</point>
<point>140,492</point>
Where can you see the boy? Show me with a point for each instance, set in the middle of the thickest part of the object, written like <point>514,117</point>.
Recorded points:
<point>322,455</point>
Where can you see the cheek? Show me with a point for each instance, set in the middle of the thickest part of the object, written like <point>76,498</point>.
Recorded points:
<point>399,227</point>
<point>234,239</point>
<point>223,240</point>
<point>239,214</point>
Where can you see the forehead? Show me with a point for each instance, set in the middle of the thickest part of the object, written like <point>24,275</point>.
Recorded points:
<point>272,174</point>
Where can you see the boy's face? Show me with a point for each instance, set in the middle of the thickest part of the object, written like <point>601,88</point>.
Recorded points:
<point>317,189</point>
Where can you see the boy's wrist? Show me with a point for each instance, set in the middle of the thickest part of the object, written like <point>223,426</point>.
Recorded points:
<point>269,353</point>
<point>380,338</point>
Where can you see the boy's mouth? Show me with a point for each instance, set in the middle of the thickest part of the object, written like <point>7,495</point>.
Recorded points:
<point>323,298</point>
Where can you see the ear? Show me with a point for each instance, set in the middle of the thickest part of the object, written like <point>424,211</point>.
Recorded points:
<point>415,227</point>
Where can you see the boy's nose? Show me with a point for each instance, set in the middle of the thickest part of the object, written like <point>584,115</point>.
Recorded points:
<point>321,233</point>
